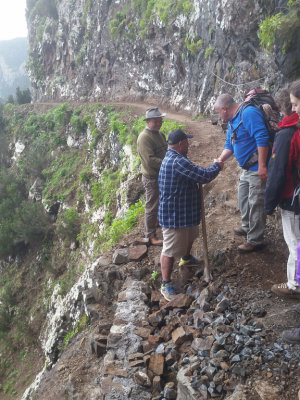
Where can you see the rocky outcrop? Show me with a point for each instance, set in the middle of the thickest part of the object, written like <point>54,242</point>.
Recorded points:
<point>182,55</point>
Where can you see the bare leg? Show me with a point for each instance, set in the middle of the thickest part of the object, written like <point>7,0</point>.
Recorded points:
<point>188,250</point>
<point>166,267</point>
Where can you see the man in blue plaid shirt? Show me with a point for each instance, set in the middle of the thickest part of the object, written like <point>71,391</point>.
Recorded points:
<point>179,205</point>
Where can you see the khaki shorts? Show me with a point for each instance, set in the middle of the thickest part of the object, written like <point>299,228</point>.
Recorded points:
<point>177,240</point>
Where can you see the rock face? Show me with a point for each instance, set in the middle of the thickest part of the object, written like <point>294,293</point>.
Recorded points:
<point>182,55</point>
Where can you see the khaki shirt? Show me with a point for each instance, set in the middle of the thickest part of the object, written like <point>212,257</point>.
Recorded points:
<point>152,147</point>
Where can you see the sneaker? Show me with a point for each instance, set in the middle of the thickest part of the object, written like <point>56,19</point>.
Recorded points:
<point>248,247</point>
<point>168,291</point>
<point>240,232</point>
<point>282,289</point>
<point>190,261</point>
<point>292,337</point>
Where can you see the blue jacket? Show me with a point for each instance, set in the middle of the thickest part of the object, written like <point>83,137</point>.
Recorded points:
<point>251,133</point>
<point>179,196</point>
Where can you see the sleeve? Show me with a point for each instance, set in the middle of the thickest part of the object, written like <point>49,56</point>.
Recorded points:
<point>147,153</point>
<point>228,144</point>
<point>197,174</point>
<point>253,121</point>
<point>277,171</point>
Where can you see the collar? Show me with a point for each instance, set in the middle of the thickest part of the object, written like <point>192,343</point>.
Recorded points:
<point>289,120</point>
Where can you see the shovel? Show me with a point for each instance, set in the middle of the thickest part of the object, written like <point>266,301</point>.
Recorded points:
<point>207,275</point>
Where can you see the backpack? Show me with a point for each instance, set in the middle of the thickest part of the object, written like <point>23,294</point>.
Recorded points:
<point>258,98</point>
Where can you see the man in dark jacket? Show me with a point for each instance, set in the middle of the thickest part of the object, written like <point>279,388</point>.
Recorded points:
<point>282,180</point>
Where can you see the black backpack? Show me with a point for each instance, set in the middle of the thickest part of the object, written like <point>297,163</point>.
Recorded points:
<point>256,98</point>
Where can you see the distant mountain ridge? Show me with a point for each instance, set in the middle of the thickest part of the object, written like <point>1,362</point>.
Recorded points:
<point>13,58</point>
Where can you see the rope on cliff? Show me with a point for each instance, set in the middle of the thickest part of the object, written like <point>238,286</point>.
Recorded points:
<point>236,85</point>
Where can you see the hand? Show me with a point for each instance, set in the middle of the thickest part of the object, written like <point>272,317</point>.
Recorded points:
<point>262,172</point>
<point>221,163</point>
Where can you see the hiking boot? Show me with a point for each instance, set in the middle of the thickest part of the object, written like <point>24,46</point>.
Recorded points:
<point>248,247</point>
<point>155,242</point>
<point>282,289</point>
<point>240,232</point>
<point>168,291</point>
<point>191,261</point>
<point>292,337</point>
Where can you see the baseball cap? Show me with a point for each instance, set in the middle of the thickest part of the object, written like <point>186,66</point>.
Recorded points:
<point>177,136</point>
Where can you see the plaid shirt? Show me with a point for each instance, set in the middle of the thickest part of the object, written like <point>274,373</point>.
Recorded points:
<point>179,196</point>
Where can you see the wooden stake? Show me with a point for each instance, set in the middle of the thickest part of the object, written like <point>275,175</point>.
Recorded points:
<point>207,275</point>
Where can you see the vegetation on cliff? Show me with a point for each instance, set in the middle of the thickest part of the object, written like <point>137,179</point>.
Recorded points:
<point>64,176</point>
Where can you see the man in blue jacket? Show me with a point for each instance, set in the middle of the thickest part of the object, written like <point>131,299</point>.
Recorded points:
<point>179,205</point>
<point>247,138</point>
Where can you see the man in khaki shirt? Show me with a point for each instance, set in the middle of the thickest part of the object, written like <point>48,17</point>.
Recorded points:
<point>152,147</point>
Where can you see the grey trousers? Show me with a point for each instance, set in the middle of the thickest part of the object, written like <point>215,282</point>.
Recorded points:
<point>151,207</point>
<point>251,204</point>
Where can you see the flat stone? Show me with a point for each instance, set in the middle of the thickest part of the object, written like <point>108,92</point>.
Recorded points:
<point>136,253</point>
<point>266,391</point>
<point>203,344</point>
<point>120,256</point>
<point>113,369</point>
<point>156,318</point>
<point>178,336</point>
<point>156,364</point>
<point>135,356</point>
<point>180,301</point>
<point>143,332</point>
<point>136,363</point>
<point>154,340</point>
<point>142,379</point>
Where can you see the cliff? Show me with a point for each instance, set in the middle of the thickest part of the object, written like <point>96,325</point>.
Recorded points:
<point>182,53</point>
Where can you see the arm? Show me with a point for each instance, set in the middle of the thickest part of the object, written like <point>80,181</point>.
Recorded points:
<point>226,153</point>
<point>254,124</point>
<point>262,162</point>
<point>198,174</point>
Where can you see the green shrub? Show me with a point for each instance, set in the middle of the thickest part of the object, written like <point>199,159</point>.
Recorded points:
<point>78,124</point>
<point>104,192</point>
<point>282,27</point>
<point>193,45</point>
<point>120,226</point>
<point>68,225</point>
<point>208,52</point>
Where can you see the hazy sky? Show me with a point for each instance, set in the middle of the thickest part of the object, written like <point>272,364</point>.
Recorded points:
<point>12,19</point>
